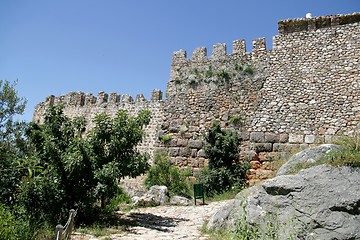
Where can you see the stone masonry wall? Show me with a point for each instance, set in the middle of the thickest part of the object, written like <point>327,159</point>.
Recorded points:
<point>87,105</point>
<point>304,91</point>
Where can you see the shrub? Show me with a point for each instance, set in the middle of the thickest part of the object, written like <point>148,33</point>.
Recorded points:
<point>249,70</point>
<point>238,67</point>
<point>348,155</point>
<point>225,171</point>
<point>163,173</point>
<point>224,75</point>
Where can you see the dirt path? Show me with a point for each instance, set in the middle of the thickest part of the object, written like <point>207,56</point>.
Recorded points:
<point>165,222</point>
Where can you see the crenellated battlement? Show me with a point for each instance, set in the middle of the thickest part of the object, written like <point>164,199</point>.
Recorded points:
<point>311,24</point>
<point>81,99</point>
<point>219,52</point>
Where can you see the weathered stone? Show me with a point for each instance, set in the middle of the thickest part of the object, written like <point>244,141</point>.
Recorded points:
<point>244,136</point>
<point>180,201</point>
<point>173,152</point>
<point>157,195</point>
<point>181,142</point>
<point>294,138</point>
<point>283,138</point>
<point>195,144</point>
<point>263,147</point>
<point>201,153</point>
<point>306,85</point>
<point>184,152</point>
<point>300,205</point>
<point>271,137</point>
<point>255,164</point>
<point>309,139</point>
<point>310,155</point>
<point>257,137</point>
<point>193,153</point>
<point>181,161</point>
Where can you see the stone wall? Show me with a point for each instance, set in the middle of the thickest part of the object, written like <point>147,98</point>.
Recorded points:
<point>87,105</point>
<point>304,91</point>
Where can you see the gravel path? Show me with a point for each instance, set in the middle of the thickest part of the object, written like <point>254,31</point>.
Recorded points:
<point>165,222</point>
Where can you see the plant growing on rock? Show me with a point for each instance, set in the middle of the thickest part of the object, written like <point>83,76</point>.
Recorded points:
<point>249,70</point>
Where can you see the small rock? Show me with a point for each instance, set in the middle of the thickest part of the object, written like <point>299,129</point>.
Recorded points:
<point>180,201</point>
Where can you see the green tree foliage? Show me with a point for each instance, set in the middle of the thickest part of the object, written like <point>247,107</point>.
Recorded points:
<point>12,140</point>
<point>67,170</point>
<point>225,171</point>
<point>113,144</point>
<point>60,175</point>
<point>162,173</point>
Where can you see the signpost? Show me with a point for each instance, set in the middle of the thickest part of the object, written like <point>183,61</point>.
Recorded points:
<point>199,192</point>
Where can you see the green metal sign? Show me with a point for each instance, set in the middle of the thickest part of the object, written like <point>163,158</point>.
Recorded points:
<point>199,192</point>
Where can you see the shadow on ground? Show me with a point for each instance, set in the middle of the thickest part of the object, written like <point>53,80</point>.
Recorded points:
<point>155,222</point>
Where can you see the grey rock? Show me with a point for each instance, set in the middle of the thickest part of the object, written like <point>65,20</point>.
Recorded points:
<point>257,137</point>
<point>262,147</point>
<point>195,144</point>
<point>321,202</point>
<point>180,201</point>
<point>309,155</point>
<point>157,195</point>
<point>271,137</point>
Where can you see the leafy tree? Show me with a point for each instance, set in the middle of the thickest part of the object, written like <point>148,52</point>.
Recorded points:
<point>12,141</point>
<point>60,173</point>
<point>68,170</point>
<point>225,171</point>
<point>113,144</point>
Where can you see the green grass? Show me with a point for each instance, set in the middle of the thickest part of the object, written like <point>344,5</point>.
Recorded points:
<point>347,155</point>
<point>223,196</point>
<point>99,231</point>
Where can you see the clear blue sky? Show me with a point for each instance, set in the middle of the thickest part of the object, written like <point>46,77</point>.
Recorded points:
<point>125,46</point>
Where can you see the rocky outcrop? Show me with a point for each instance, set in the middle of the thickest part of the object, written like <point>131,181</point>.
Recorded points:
<point>309,155</point>
<point>157,195</point>
<point>321,202</point>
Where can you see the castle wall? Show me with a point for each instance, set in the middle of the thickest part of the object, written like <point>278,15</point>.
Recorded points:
<point>87,105</point>
<point>304,91</point>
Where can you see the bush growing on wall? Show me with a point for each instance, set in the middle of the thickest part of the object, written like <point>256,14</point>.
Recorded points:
<point>224,171</point>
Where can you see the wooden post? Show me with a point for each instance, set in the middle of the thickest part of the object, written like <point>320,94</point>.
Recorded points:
<point>58,232</point>
<point>71,224</point>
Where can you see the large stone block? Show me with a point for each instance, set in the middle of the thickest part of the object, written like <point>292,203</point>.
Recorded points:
<point>310,139</point>
<point>271,137</point>
<point>296,138</point>
<point>263,147</point>
<point>283,138</point>
<point>195,144</point>
<point>257,137</point>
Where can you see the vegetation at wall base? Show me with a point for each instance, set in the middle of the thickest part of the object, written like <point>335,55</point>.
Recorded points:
<point>225,171</point>
<point>163,173</point>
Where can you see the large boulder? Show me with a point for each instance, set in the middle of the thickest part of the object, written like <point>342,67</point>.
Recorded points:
<point>157,195</point>
<point>321,202</point>
<point>309,155</point>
